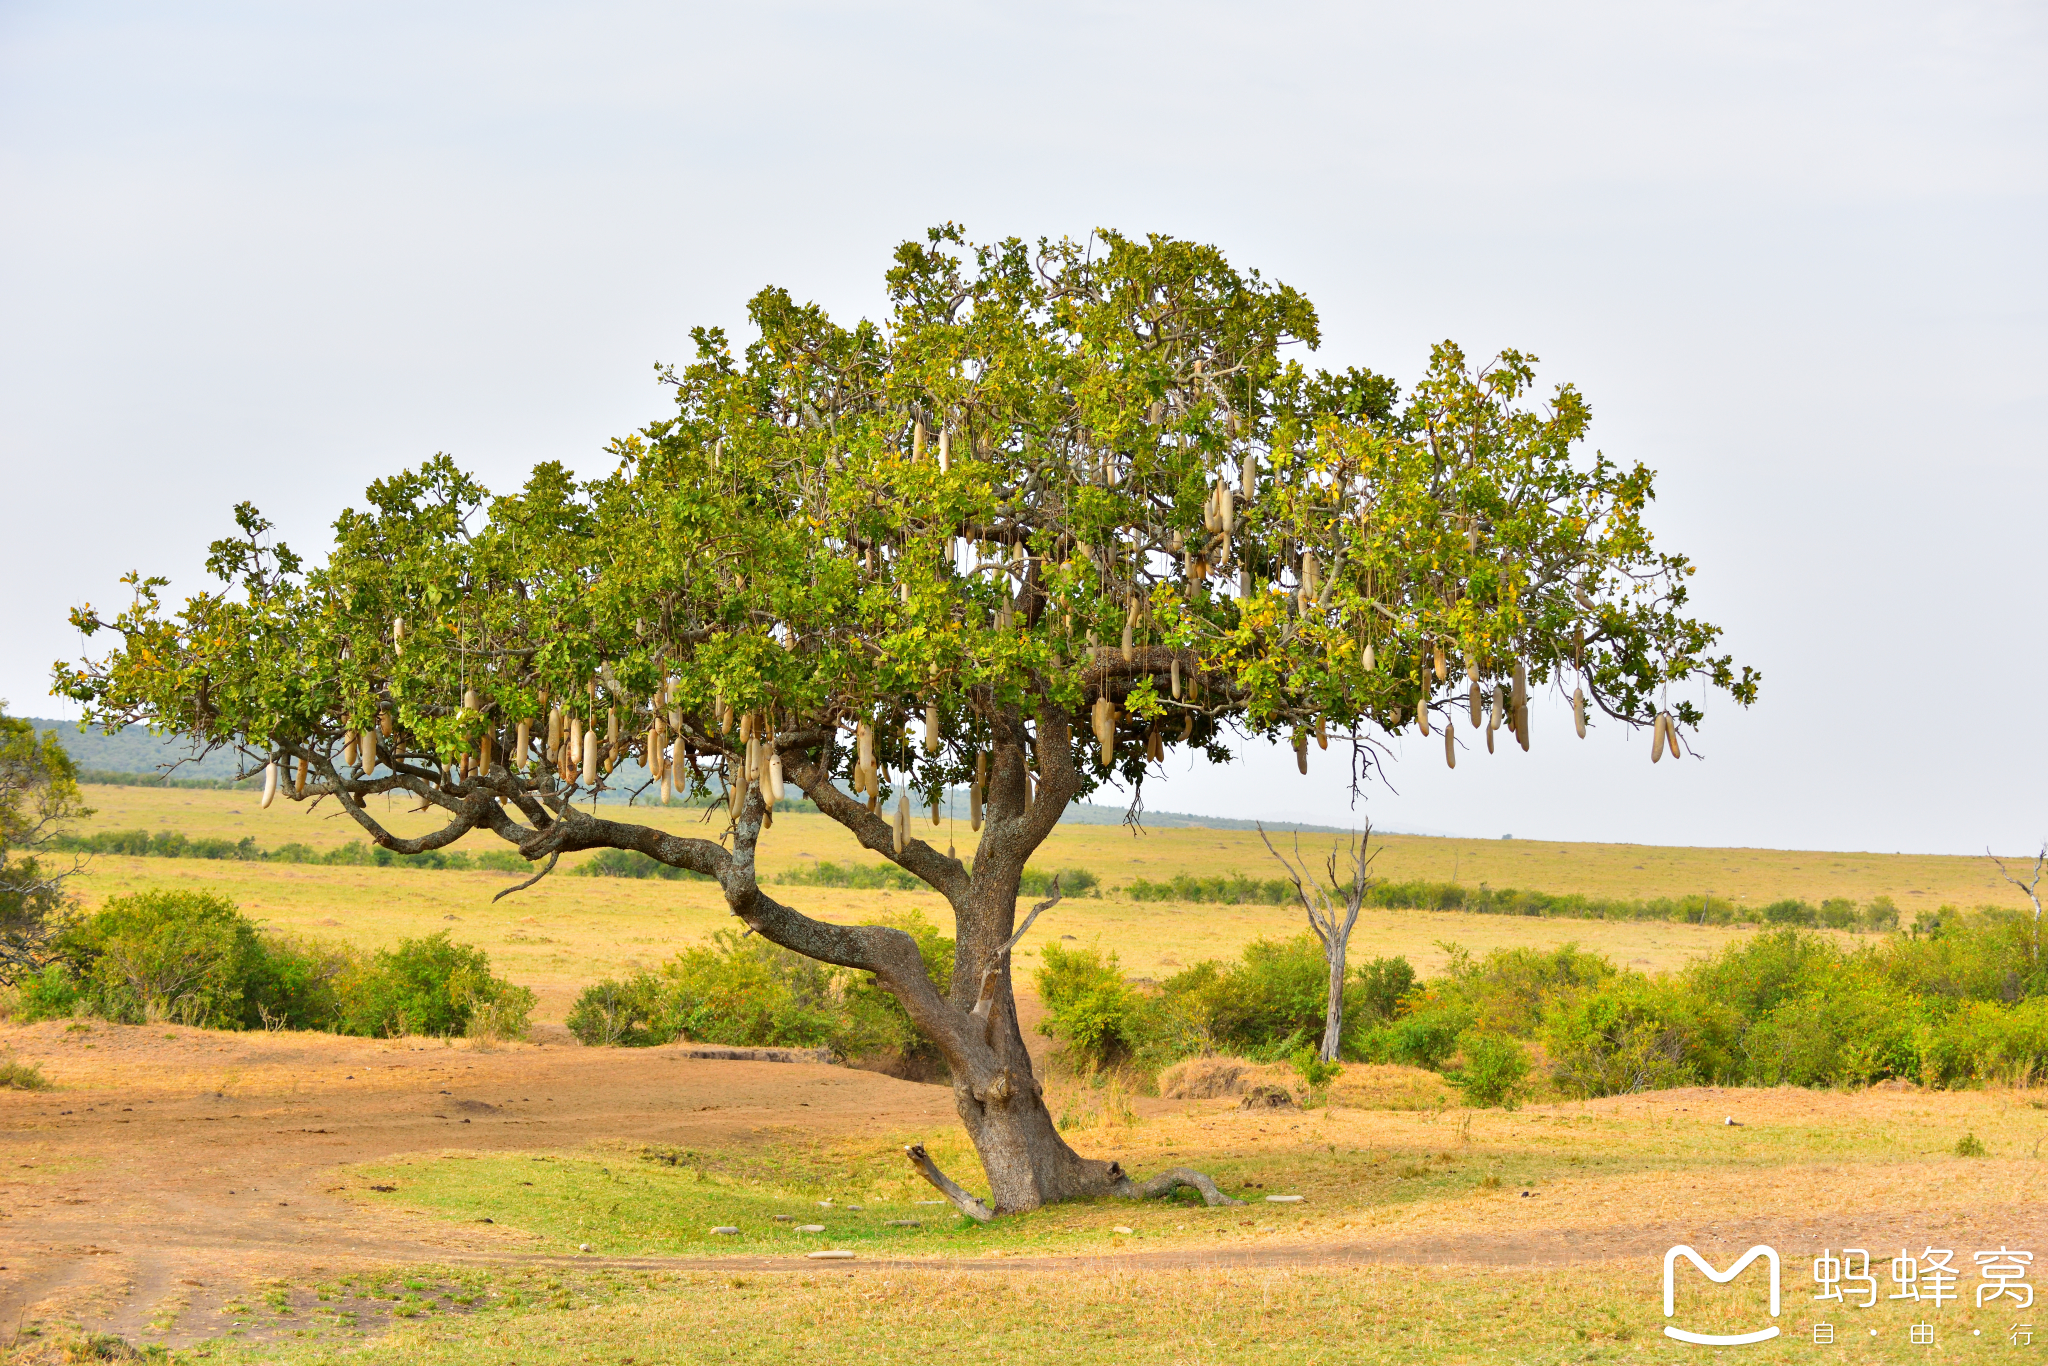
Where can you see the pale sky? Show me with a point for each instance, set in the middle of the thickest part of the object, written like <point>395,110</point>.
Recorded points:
<point>1793,253</point>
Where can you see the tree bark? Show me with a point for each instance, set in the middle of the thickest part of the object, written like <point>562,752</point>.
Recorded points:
<point>1333,1014</point>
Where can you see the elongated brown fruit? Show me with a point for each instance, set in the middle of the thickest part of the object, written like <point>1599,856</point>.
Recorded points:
<point>299,783</point>
<point>366,752</point>
<point>269,784</point>
<point>1301,751</point>
<point>774,788</point>
<point>1579,710</point>
<point>384,723</point>
<point>348,750</point>
<point>398,635</point>
<point>1367,657</point>
<point>483,753</point>
<point>931,728</point>
<point>1476,708</point>
<point>902,830</point>
<point>1657,739</point>
<point>590,757</point>
<point>525,743</point>
<point>1322,732</point>
<point>1450,749</point>
<point>935,808</point>
<point>1441,675</point>
<point>1176,678</point>
<point>974,805</point>
<point>1422,717</point>
<point>945,450</point>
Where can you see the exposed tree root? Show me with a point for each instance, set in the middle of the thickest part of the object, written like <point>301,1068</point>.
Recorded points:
<point>1120,1185</point>
<point>1169,1181</point>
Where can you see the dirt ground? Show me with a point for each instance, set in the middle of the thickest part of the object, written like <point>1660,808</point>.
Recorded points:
<point>175,1168</point>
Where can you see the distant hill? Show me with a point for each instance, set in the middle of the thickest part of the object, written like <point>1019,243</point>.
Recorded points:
<point>135,752</point>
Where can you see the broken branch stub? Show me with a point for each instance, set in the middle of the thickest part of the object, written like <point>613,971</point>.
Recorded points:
<point>964,1201</point>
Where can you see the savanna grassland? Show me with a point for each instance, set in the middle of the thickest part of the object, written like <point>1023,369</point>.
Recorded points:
<point>568,930</point>
<point>300,1198</point>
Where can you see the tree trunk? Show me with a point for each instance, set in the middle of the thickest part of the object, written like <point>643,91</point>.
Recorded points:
<point>1333,1015</point>
<point>973,1019</point>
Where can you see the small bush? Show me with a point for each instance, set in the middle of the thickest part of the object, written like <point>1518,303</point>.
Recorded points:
<point>747,991</point>
<point>1969,1145</point>
<point>1494,1069</point>
<point>502,861</point>
<point>1316,1074</point>
<point>622,863</point>
<point>1073,882</point>
<point>431,986</point>
<point>1088,1004</point>
<point>183,956</point>
<point>51,994</point>
<point>21,1076</point>
<point>859,876</point>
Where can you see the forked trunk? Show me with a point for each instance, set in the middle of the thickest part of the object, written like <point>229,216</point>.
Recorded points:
<point>973,1019</point>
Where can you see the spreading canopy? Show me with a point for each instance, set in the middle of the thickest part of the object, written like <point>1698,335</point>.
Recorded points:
<point>1059,474</point>
<point>1071,507</point>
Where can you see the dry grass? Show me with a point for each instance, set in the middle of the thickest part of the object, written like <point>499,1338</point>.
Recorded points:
<point>568,931</point>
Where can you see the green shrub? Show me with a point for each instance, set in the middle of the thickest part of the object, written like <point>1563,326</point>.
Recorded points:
<point>1424,1037</point>
<point>859,876</point>
<point>1494,1068</point>
<point>1629,1034</point>
<point>1088,1005</point>
<point>1382,982</point>
<point>612,1013</point>
<point>1315,1073</point>
<point>1234,889</point>
<point>167,955</point>
<point>746,991</point>
<point>1984,1043</point>
<point>621,863</point>
<point>51,994</point>
<point>502,861</point>
<point>1789,912</point>
<point>431,986</point>
<point>21,1076</point>
<point>1969,1145</point>
<point>194,958</point>
<point>1073,882</point>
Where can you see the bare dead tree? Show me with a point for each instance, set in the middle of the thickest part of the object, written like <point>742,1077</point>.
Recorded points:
<point>2032,887</point>
<point>1321,899</point>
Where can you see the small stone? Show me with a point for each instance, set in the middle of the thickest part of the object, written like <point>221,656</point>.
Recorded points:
<point>855,1207</point>
<point>833,1255</point>
<point>583,1247</point>
<point>1284,1199</point>
<point>810,1228</point>
<point>725,1228</point>
<point>1119,1229</point>
<point>784,1218</point>
<point>824,1204</point>
<point>903,1223</point>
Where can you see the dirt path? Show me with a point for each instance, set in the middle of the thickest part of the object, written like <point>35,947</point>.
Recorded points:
<point>174,1168</point>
